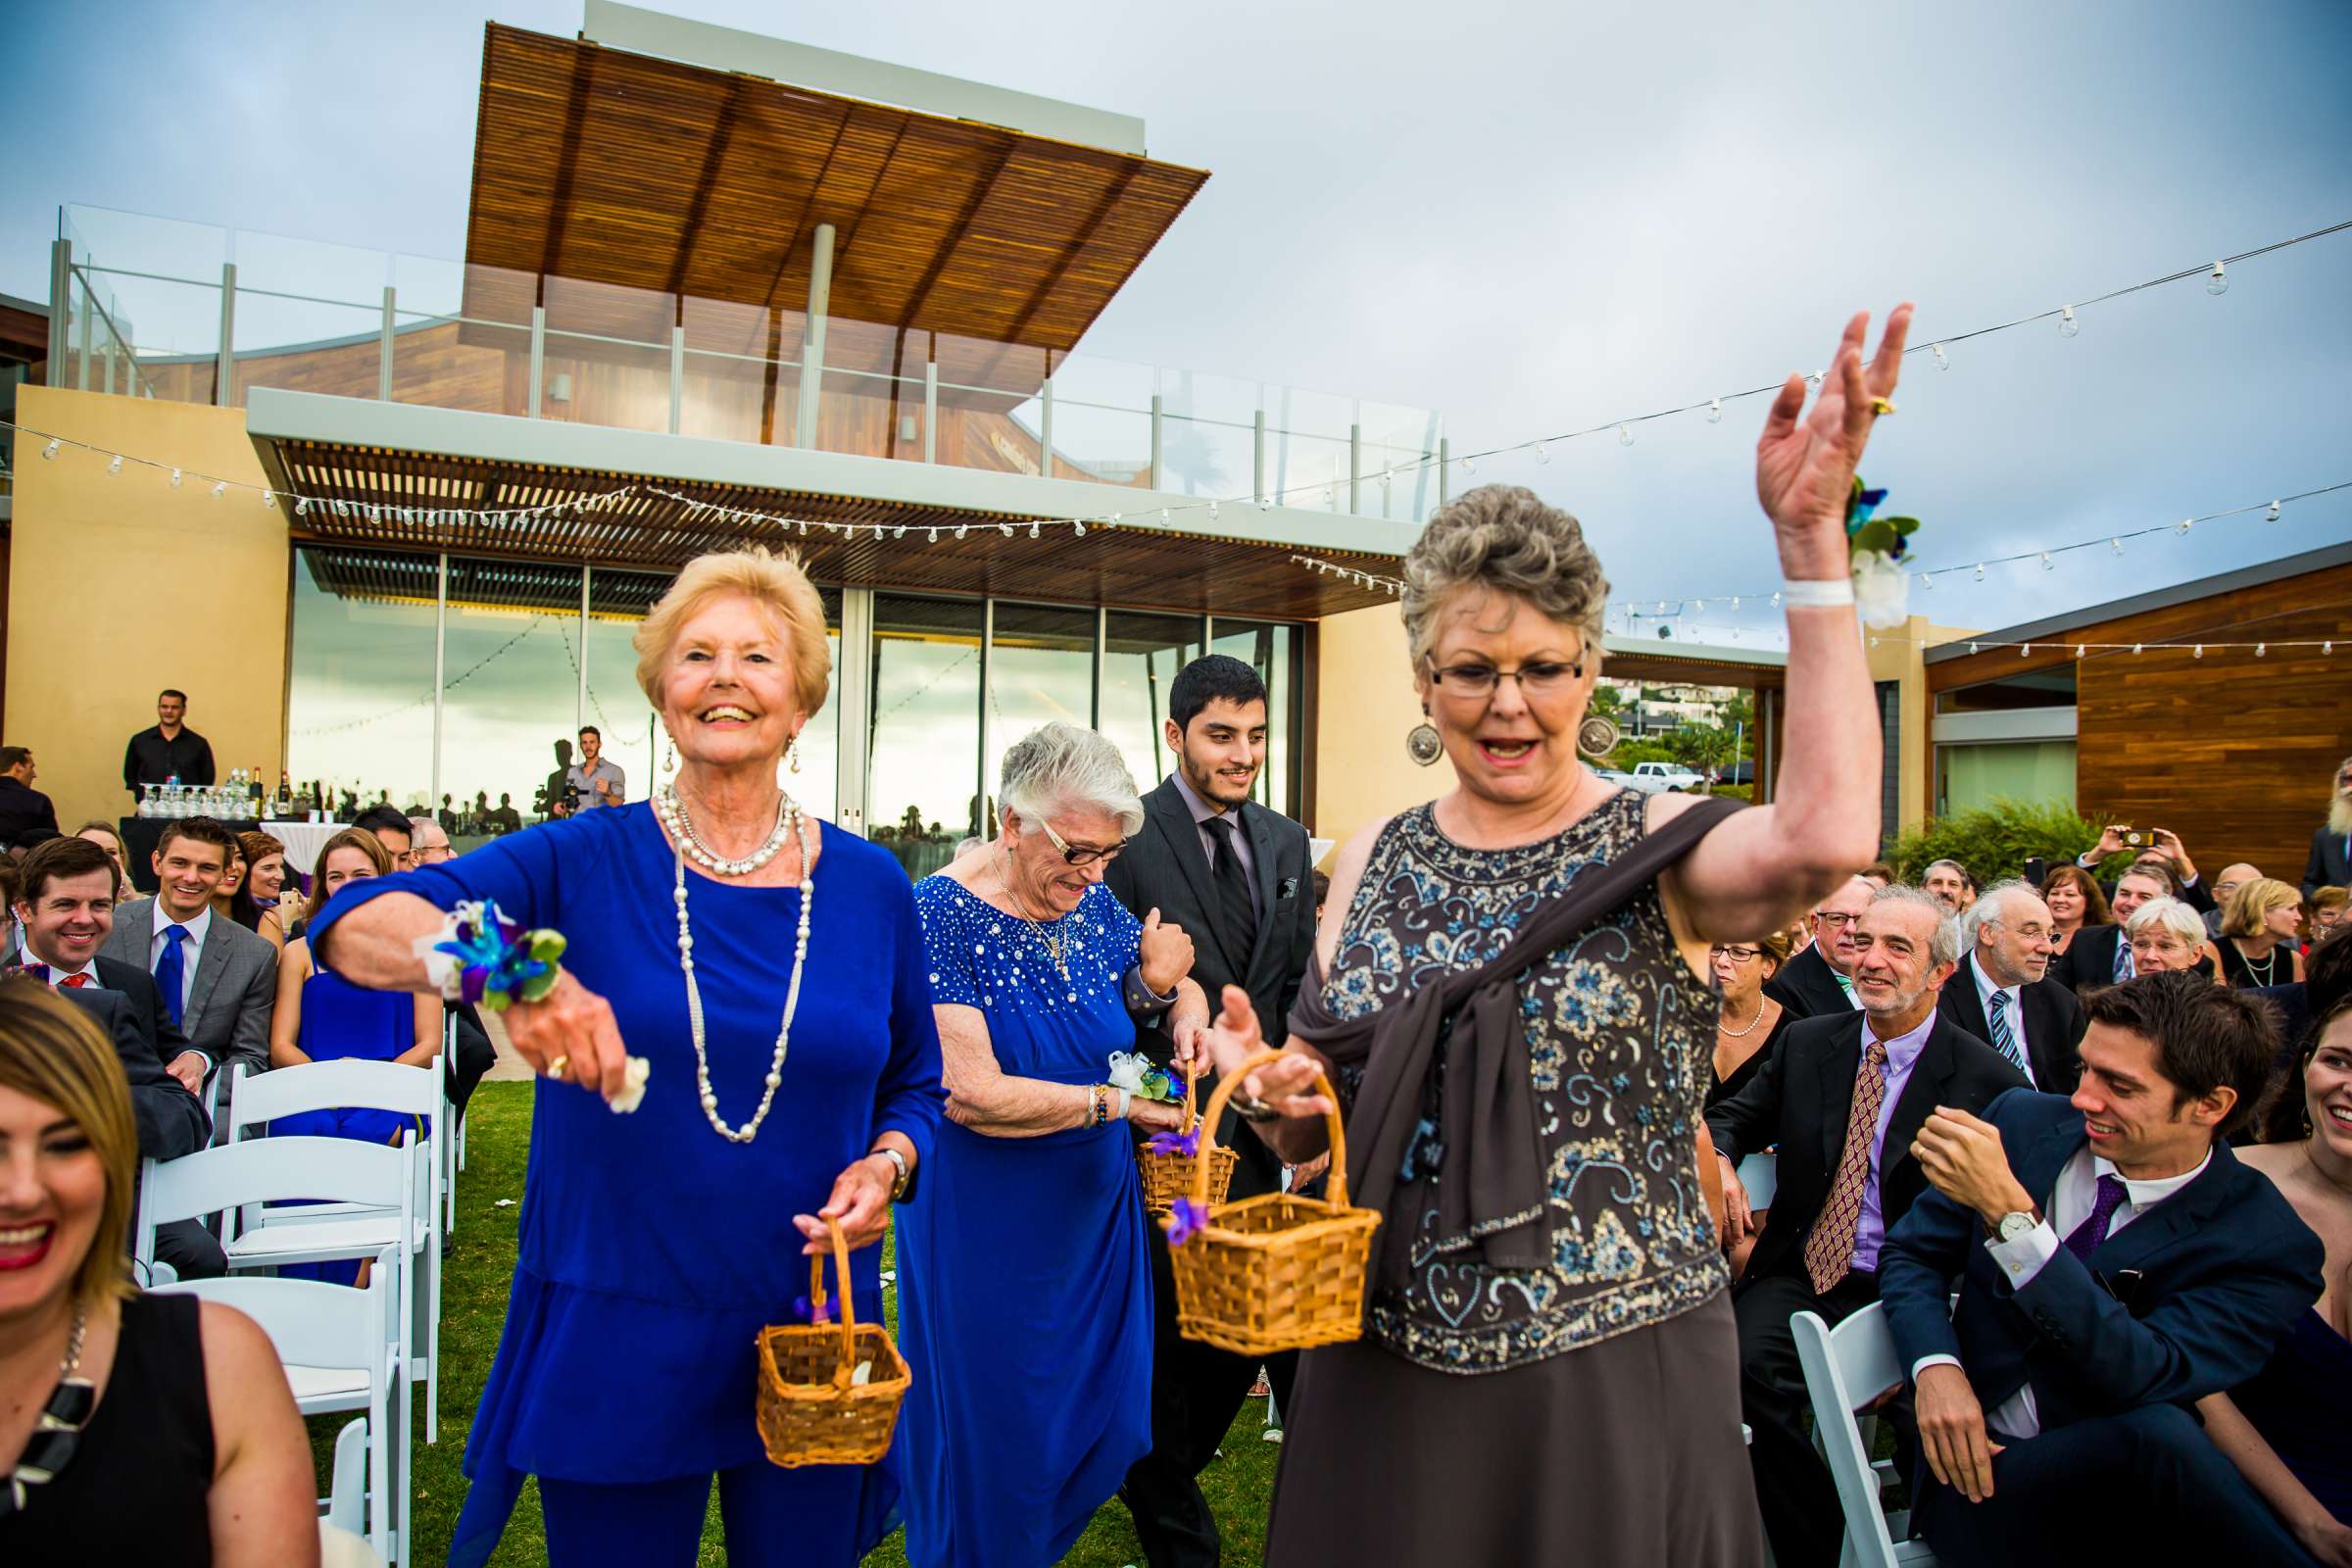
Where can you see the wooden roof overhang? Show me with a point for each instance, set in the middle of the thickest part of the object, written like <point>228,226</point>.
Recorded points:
<point>1130,566</point>
<point>615,187</point>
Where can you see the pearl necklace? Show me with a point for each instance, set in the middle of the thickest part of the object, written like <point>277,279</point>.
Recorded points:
<point>1729,1033</point>
<point>749,1130</point>
<point>672,812</point>
<point>2269,964</point>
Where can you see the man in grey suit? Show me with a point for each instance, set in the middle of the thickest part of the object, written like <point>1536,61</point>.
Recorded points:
<point>218,980</point>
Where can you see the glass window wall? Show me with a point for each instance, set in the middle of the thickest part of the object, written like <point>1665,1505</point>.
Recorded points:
<point>1141,655</point>
<point>359,698</point>
<point>923,742</point>
<point>512,683</point>
<point>1040,668</point>
<point>1271,651</point>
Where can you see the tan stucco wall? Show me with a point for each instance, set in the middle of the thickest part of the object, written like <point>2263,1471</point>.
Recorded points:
<point>119,587</point>
<point>1364,704</point>
<point>1901,655</point>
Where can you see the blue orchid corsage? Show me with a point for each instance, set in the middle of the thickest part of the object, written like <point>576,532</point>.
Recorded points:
<point>1134,1072</point>
<point>479,956</point>
<point>1186,1220</point>
<point>1878,552</point>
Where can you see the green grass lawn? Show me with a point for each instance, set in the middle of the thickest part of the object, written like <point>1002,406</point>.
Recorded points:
<point>478,1266</point>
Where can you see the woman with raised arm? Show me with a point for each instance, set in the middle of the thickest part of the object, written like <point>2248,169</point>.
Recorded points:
<point>789,1070</point>
<point>1550,1371</point>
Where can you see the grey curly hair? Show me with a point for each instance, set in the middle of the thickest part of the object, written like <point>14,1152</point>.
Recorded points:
<point>1058,766</point>
<point>1503,539</point>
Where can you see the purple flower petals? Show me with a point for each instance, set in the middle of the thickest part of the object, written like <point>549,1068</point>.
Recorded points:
<point>1186,1220</point>
<point>1186,1144</point>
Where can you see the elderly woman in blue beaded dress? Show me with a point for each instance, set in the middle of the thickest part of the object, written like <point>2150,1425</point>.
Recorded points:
<point>1025,1304</point>
<point>1550,1369</point>
<point>794,1077</point>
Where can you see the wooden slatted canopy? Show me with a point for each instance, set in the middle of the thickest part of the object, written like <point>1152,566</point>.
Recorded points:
<point>611,172</point>
<point>1133,568</point>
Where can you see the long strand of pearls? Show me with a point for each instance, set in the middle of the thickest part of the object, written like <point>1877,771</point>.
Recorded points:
<point>798,825</point>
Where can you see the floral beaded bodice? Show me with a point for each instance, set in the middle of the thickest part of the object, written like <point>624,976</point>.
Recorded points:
<point>1619,1034</point>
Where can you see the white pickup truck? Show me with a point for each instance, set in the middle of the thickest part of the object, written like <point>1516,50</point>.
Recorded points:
<point>1652,778</point>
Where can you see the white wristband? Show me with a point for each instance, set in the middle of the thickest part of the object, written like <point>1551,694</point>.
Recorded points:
<point>1834,593</point>
<point>1125,1100</point>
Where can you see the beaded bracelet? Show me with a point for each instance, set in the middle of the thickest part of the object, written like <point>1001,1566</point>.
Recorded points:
<point>479,956</point>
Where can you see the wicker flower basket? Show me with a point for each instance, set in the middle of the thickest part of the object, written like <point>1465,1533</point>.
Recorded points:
<point>1276,1272</point>
<point>1168,1177</point>
<point>813,1406</point>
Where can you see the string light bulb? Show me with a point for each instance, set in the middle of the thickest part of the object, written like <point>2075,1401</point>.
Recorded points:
<point>2200,652</point>
<point>2185,524</point>
<point>1164,516</point>
<point>2115,544</point>
<point>1942,361</point>
<point>176,475</point>
<point>114,467</point>
<point>220,490</point>
<point>900,532</point>
<point>1714,411</point>
<point>2046,563</point>
<point>934,536</point>
<point>301,506</point>
<point>1542,452</point>
<point>2259,649</point>
<point>1776,601</point>
<point>1212,512</point>
<point>269,498</point>
<point>960,529</point>
<point>1625,435</point>
<point>2023,650</point>
<point>1077,528</point>
<point>50,452</point>
<point>1979,572</point>
<point>1926,580</point>
<point>1468,465</point>
<point>2135,647</point>
<point>1814,380</point>
<point>2218,282</point>
<point>2067,326</point>
<point>2272,514</point>
<point>2080,648</point>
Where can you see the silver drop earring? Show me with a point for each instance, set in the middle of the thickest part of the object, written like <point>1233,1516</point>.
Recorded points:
<point>1422,743</point>
<point>793,752</point>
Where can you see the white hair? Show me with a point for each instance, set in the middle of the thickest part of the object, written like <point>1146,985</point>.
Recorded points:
<point>1989,908</point>
<point>2171,915</point>
<point>1061,767</point>
<point>1943,945</point>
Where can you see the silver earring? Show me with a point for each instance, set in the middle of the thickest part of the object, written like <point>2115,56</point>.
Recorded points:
<point>1423,744</point>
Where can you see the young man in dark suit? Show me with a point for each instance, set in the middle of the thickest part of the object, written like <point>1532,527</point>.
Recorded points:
<point>64,914</point>
<point>1820,979</point>
<point>2002,992</point>
<point>1843,1121</point>
<point>1236,877</point>
<point>2115,1263</point>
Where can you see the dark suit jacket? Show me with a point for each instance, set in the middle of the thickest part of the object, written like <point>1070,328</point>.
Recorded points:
<point>2054,1025</point>
<point>172,1122</point>
<point>1801,1101</point>
<point>2188,1298</point>
<point>1808,987</point>
<point>2089,962</point>
<point>2330,863</point>
<point>23,810</point>
<point>1165,868</point>
<point>147,1008</point>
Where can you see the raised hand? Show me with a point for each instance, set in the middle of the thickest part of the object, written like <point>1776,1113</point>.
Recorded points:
<point>1168,953</point>
<point>1805,468</point>
<point>574,1026</point>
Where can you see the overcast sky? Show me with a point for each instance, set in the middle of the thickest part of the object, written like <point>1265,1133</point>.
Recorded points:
<point>1534,218</point>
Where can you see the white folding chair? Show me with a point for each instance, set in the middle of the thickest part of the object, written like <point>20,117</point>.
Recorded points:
<point>1760,1174</point>
<point>1847,1368</point>
<point>445,1139</point>
<point>340,1349</point>
<point>261,1236</point>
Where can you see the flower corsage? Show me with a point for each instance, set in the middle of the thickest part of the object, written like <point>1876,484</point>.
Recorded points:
<point>1878,549</point>
<point>479,956</point>
<point>1134,1072</point>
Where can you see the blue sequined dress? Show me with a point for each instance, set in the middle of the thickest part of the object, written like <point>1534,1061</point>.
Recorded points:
<point>651,1250</point>
<point>1025,1297</point>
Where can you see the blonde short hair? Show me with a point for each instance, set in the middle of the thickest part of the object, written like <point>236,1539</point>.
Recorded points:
<point>52,1052</point>
<point>772,578</point>
<point>2251,900</point>
<point>1503,539</point>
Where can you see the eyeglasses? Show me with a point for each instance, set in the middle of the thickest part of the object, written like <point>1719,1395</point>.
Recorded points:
<point>1080,853</point>
<point>1537,679</point>
<point>1834,920</point>
<point>1735,955</point>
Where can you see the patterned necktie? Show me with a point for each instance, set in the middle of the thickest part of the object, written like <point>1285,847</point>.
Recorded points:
<point>1830,1250</point>
<point>2092,1231</point>
<point>2004,1036</point>
<point>2122,959</point>
<point>75,982</point>
<point>38,971</point>
<point>1232,892</point>
<point>172,971</point>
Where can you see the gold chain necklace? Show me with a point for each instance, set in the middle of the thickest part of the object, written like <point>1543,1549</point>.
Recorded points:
<point>1050,939</point>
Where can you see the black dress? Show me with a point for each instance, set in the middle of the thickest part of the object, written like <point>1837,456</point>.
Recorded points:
<point>1722,1089</point>
<point>2243,976</point>
<point>137,1487</point>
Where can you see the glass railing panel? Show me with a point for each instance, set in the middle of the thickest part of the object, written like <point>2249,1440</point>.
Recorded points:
<point>141,336</point>
<point>987,414</point>
<point>136,242</point>
<point>607,355</point>
<point>1103,419</point>
<point>461,336</point>
<point>305,344</point>
<point>872,397</point>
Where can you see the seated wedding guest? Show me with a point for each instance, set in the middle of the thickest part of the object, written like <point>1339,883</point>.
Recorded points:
<point>232,878</point>
<point>2324,910</point>
<point>175,1406</point>
<point>2114,1262</point>
<point>2101,955</point>
<point>2002,994</point>
<point>255,905</point>
<point>2165,934</point>
<point>1947,882</point>
<point>219,980</point>
<point>2076,904</point>
<point>2330,863</point>
<point>1034,1176</point>
<point>1842,1100</point>
<point>656,1246</point>
<point>106,838</point>
<point>2233,876</point>
<point>2257,939</point>
<point>1748,1024</point>
<point>2285,1428</point>
<point>65,909</point>
<point>390,825</point>
<point>1819,979</point>
<point>23,807</point>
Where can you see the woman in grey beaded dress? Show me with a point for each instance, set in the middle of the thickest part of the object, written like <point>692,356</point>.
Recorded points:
<point>1548,1371</point>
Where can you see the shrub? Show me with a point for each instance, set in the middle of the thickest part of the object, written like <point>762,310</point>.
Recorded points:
<point>1993,841</point>
<point>1629,752</point>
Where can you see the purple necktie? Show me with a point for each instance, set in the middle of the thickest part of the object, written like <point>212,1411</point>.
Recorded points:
<point>2092,1231</point>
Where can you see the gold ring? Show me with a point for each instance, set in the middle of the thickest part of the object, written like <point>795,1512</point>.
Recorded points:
<point>556,1066</point>
<point>1881,406</point>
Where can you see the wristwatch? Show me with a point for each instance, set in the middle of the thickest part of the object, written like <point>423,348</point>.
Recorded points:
<point>898,1188</point>
<point>2014,1227</point>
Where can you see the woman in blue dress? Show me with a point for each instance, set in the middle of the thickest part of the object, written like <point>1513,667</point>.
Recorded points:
<point>1025,1301</point>
<point>769,972</point>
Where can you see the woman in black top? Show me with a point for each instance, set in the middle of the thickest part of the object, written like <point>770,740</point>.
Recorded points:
<point>1747,1023</point>
<point>2257,943</point>
<point>155,1430</point>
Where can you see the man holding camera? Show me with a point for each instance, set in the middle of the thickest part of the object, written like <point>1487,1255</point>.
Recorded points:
<point>2144,844</point>
<point>596,778</point>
